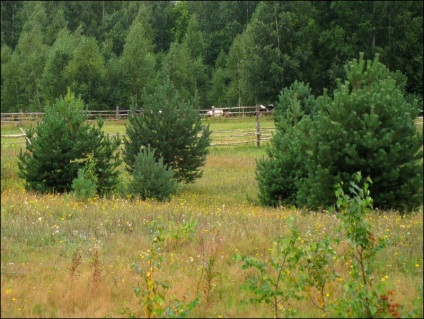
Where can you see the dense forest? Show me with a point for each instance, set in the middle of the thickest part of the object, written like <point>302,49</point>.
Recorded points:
<point>113,53</point>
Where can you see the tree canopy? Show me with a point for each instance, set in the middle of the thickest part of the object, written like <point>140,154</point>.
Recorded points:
<point>229,52</point>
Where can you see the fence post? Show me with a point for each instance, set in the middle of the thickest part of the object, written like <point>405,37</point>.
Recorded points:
<point>117,112</point>
<point>21,115</point>
<point>258,128</point>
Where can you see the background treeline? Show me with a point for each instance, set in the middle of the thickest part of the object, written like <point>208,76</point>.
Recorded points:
<point>224,52</point>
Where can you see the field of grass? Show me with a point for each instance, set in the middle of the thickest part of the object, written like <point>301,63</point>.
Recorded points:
<point>64,258</point>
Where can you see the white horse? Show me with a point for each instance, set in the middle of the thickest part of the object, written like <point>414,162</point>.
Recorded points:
<point>215,112</point>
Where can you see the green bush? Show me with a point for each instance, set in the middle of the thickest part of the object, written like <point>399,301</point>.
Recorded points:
<point>298,93</point>
<point>61,144</point>
<point>367,125</point>
<point>302,269</point>
<point>85,185</point>
<point>172,126</point>
<point>82,187</point>
<point>151,178</point>
<point>279,173</point>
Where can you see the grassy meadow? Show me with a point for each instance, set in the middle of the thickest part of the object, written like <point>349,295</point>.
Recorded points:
<point>64,258</point>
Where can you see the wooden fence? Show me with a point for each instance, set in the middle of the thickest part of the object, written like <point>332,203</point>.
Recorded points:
<point>255,136</point>
<point>240,137</point>
<point>119,114</point>
<point>218,138</point>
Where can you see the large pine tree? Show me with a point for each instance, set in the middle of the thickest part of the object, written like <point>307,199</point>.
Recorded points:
<point>367,126</point>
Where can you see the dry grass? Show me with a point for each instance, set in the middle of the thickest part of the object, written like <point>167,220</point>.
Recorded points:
<point>41,235</point>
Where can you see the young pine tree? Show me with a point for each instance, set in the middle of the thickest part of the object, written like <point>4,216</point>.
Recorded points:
<point>61,144</point>
<point>84,186</point>
<point>367,126</point>
<point>151,178</point>
<point>172,127</point>
<point>279,173</point>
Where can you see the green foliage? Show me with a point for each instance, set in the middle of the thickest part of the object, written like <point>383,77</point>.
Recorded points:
<point>235,93</point>
<point>82,187</point>
<point>173,234</point>
<point>218,86</point>
<point>371,28</point>
<point>53,80</point>
<point>221,22</point>
<point>162,22</point>
<point>275,284</point>
<point>152,296</point>
<point>284,168</point>
<point>297,269</point>
<point>180,234</point>
<point>278,42</point>
<point>151,178</point>
<point>281,42</point>
<point>367,126</point>
<point>296,99</point>
<point>281,172</point>
<point>21,76</point>
<point>61,144</point>
<point>301,269</point>
<point>137,60</point>
<point>181,15</point>
<point>172,127</point>
<point>185,71</point>
<point>362,296</point>
<point>194,39</point>
<point>85,185</point>
<point>85,72</point>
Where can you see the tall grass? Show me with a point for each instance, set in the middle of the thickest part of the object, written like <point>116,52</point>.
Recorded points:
<point>65,258</point>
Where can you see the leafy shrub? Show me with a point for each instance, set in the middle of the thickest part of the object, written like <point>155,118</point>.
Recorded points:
<point>151,178</point>
<point>304,270</point>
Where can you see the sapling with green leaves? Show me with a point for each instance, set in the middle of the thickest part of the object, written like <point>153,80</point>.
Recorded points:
<point>152,296</point>
<point>275,284</point>
<point>304,270</point>
<point>362,294</point>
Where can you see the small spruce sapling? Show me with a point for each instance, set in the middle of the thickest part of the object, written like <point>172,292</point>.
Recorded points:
<point>151,178</point>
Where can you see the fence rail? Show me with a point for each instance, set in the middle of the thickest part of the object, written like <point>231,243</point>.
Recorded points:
<point>218,137</point>
<point>234,112</point>
<point>119,114</point>
<point>256,135</point>
<point>233,137</point>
